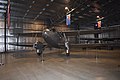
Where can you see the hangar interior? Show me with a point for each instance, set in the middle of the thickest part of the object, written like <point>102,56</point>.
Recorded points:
<point>29,16</point>
<point>95,54</point>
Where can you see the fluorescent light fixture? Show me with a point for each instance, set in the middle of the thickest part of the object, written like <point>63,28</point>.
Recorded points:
<point>90,11</point>
<point>44,9</point>
<point>35,18</point>
<point>30,6</point>
<point>47,4</point>
<point>40,12</point>
<point>82,9</point>
<point>75,18</point>
<point>88,5</point>
<point>38,16</point>
<point>52,0</point>
<point>72,15</point>
<point>25,14</point>
<point>80,16</point>
<point>28,10</point>
<point>77,12</point>
<point>33,2</point>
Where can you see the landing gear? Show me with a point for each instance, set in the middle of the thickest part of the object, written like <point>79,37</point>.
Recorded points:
<point>40,55</point>
<point>67,58</point>
<point>67,48</point>
<point>39,49</point>
<point>67,53</point>
<point>1,59</point>
<point>39,52</point>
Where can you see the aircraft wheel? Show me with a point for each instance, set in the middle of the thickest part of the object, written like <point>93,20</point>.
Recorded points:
<point>39,53</point>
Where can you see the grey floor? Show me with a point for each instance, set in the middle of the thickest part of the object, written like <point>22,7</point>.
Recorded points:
<point>81,65</point>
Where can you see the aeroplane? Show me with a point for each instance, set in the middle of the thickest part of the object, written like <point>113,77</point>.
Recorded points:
<point>53,39</point>
<point>59,39</point>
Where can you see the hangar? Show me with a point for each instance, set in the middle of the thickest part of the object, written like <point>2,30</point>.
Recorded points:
<point>59,39</point>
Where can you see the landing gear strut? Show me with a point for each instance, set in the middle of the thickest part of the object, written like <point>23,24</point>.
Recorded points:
<point>67,48</point>
<point>67,53</point>
<point>40,54</point>
<point>39,49</point>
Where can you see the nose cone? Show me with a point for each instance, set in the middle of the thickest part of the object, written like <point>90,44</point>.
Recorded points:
<point>45,32</point>
<point>51,38</point>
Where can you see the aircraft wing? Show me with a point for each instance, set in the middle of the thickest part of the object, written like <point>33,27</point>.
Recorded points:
<point>30,34</point>
<point>92,45</point>
<point>67,33</point>
<point>100,39</point>
<point>24,44</point>
<point>83,32</point>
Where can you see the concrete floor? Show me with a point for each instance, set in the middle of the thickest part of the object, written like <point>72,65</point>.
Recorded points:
<point>81,65</point>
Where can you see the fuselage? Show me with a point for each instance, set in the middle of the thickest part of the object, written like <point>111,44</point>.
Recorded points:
<point>53,38</point>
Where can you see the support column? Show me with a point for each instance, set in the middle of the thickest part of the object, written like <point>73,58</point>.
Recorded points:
<point>5,47</point>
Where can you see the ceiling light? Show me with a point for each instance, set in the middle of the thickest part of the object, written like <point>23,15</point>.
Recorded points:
<point>35,18</point>
<point>47,4</point>
<point>30,6</point>
<point>33,2</point>
<point>72,15</point>
<point>80,16</point>
<point>28,10</point>
<point>75,18</point>
<point>90,11</point>
<point>52,0</point>
<point>43,9</point>
<point>82,9</point>
<point>77,12</point>
<point>40,12</point>
<point>88,5</point>
<point>25,14</point>
<point>38,16</point>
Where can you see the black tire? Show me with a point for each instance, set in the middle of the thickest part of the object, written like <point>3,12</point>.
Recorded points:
<point>39,54</point>
<point>67,54</point>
